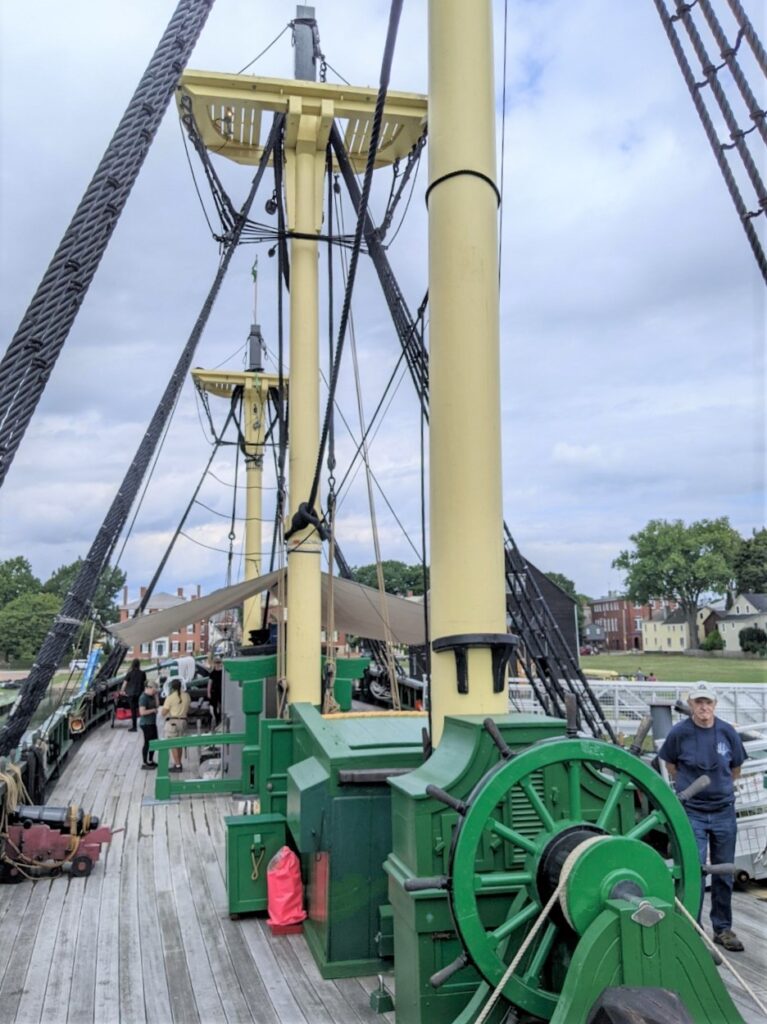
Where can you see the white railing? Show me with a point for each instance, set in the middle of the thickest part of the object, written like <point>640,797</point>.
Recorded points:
<point>625,703</point>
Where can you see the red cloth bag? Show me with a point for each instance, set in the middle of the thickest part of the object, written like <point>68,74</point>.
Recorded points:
<point>284,891</point>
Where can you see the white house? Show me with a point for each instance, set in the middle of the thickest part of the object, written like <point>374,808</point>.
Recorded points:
<point>746,610</point>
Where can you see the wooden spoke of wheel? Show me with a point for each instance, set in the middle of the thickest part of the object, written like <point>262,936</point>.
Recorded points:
<point>539,806</point>
<point>501,881</point>
<point>512,922</point>
<point>616,792</point>
<point>646,825</point>
<point>574,789</point>
<point>511,836</point>
<point>541,953</point>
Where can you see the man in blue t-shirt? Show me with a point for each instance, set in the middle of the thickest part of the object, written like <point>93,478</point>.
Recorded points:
<point>705,745</point>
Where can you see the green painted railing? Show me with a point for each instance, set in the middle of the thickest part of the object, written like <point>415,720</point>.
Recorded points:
<point>167,785</point>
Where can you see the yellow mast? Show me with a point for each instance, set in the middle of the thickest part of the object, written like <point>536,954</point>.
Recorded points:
<point>228,111</point>
<point>255,389</point>
<point>466,515</point>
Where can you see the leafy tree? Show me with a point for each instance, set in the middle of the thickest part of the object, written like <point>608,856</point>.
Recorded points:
<point>713,642</point>
<point>753,640</point>
<point>111,582</point>
<point>751,564</point>
<point>16,578</point>
<point>680,563</point>
<point>398,578</point>
<point>24,623</point>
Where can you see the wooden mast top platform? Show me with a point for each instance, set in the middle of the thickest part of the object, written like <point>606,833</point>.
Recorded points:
<point>228,111</point>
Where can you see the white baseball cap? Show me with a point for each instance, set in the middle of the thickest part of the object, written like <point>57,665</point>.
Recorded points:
<point>702,691</point>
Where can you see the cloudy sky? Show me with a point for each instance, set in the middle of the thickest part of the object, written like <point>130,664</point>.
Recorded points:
<point>633,313</point>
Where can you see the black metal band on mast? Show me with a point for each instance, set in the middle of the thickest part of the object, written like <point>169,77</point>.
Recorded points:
<point>77,603</point>
<point>530,615</point>
<point>32,354</point>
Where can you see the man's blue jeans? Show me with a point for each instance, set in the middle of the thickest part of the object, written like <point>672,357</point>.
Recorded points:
<point>716,832</point>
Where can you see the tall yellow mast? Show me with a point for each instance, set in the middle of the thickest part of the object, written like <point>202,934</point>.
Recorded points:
<point>466,516</point>
<point>228,110</point>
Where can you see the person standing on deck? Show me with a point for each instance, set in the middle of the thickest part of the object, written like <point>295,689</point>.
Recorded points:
<point>705,745</point>
<point>214,689</point>
<point>147,709</point>
<point>132,688</point>
<point>175,711</point>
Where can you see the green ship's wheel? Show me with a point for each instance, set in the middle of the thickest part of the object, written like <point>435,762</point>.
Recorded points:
<point>530,813</point>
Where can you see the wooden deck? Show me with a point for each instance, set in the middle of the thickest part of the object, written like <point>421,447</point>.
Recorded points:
<point>147,936</point>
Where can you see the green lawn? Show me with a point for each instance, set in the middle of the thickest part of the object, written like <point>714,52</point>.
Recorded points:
<point>680,668</point>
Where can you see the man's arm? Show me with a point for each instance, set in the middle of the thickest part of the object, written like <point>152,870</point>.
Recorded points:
<point>671,769</point>
<point>736,773</point>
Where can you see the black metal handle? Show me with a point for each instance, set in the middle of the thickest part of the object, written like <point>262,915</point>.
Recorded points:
<point>495,735</point>
<point>719,869</point>
<point>571,713</point>
<point>694,788</point>
<point>641,734</point>
<point>420,884</point>
<point>447,799</point>
<point>447,972</point>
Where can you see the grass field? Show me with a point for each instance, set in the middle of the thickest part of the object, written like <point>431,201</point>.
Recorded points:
<point>679,668</point>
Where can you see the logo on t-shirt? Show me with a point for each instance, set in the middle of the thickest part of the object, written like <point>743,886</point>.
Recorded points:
<point>723,748</point>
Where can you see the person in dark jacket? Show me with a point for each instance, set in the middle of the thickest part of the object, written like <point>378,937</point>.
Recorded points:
<point>147,709</point>
<point>214,688</point>
<point>132,688</point>
<point>705,745</point>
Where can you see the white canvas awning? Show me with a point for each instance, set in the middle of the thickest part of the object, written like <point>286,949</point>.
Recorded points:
<point>357,610</point>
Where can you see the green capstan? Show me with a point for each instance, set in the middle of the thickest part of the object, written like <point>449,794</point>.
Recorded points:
<point>557,854</point>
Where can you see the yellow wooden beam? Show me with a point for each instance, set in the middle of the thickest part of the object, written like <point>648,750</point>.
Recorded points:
<point>229,109</point>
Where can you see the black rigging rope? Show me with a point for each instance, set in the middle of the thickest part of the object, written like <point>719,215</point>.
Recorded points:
<point>32,354</point>
<point>737,144</point>
<point>375,134</point>
<point>142,605</point>
<point>78,602</point>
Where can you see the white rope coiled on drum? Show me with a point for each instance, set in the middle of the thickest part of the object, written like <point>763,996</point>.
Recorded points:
<point>567,868</point>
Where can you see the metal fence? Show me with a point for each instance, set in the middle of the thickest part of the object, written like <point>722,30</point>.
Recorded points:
<point>625,703</point>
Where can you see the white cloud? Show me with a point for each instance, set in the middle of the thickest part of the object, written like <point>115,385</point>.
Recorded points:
<point>632,312</point>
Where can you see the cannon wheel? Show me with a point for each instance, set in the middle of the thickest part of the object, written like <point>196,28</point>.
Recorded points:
<point>528,812</point>
<point>81,865</point>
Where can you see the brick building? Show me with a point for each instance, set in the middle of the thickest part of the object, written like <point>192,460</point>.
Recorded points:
<point>620,621</point>
<point>190,639</point>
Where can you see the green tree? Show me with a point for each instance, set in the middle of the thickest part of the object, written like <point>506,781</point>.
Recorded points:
<point>713,642</point>
<point>111,582</point>
<point>751,564</point>
<point>753,640</point>
<point>680,563</point>
<point>398,578</point>
<point>24,623</point>
<point>16,578</point>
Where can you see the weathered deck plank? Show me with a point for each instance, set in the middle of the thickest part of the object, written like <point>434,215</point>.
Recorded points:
<point>12,986</point>
<point>195,943</point>
<point>221,968</point>
<point>58,988</point>
<point>131,978</point>
<point>247,971</point>
<point>147,937</point>
<point>156,995</point>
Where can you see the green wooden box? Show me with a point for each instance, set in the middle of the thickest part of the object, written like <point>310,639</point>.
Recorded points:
<point>251,842</point>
